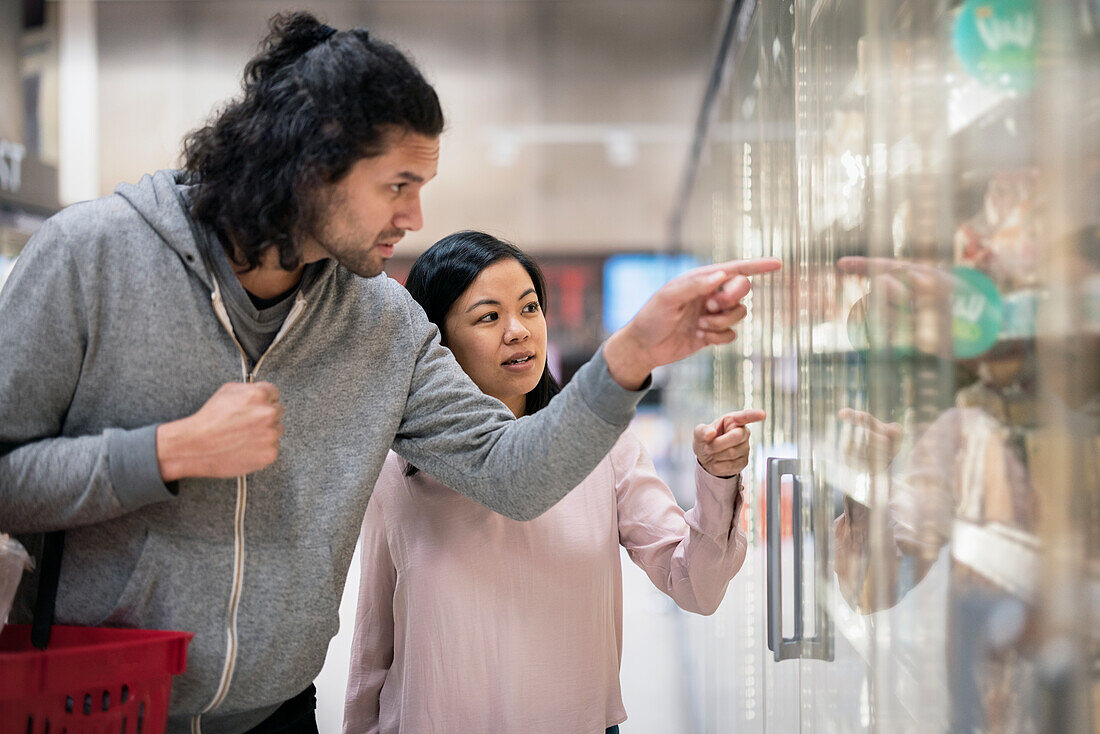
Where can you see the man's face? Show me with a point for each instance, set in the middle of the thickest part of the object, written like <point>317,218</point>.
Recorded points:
<point>364,214</point>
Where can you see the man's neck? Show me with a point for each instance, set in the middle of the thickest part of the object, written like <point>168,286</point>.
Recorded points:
<point>269,280</point>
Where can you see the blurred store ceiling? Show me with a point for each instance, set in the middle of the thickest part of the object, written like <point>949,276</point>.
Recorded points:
<point>568,120</point>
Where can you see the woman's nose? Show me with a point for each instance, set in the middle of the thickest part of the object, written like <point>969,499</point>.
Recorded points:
<point>516,332</point>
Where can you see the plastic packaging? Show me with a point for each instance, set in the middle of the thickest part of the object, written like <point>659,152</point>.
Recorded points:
<point>13,561</point>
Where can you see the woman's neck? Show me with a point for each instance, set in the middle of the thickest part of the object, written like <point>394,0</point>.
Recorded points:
<point>517,404</point>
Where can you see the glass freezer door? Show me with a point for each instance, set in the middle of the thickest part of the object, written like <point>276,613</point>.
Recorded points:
<point>948,200</point>
<point>923,499</point>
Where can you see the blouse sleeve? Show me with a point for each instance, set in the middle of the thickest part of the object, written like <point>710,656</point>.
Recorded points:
<point>691,557</point>
<point>372,641</point>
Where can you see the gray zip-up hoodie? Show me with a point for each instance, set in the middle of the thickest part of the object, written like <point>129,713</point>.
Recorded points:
<point>111,324</point>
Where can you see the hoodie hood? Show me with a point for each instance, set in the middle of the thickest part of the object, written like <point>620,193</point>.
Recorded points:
<point>161,200</point>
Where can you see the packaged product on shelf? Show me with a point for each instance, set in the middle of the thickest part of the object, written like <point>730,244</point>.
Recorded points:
<point>993,480</point>
<point>1019,310</point>
<point>1002,239</point>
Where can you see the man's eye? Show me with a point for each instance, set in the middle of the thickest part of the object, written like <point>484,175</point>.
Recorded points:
<point>397,187</point>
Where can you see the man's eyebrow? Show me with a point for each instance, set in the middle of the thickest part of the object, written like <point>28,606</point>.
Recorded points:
<point>410,176</point>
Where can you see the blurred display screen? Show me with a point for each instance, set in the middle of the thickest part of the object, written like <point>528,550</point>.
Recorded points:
<point>629,281</point>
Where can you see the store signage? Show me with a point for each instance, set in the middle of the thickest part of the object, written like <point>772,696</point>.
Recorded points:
<point>11,166</point>
<point>995,41</point>
<point>977,313</point>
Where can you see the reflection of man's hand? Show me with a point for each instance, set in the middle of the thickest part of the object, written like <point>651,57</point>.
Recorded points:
<point>872,444</point>
<point>907,301</point>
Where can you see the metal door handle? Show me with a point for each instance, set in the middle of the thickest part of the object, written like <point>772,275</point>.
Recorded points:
<point>786,648</point>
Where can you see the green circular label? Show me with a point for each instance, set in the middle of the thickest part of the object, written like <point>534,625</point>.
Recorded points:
<point>995,41</point>
<point>976,313</point>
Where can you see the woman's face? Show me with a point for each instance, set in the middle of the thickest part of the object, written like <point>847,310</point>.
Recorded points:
<point>497,332</point>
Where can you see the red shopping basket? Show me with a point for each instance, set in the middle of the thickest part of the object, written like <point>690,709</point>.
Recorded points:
<point>88,680</point>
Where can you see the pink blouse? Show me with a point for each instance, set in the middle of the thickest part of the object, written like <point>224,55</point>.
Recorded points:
<point>469,621</point>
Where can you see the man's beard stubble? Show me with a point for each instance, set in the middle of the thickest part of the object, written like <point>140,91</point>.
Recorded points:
<point>349,252</point>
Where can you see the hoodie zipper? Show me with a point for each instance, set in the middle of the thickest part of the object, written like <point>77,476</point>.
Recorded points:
<point>231,648</point>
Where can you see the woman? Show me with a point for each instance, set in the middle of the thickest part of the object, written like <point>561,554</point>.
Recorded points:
<point>472,622</point>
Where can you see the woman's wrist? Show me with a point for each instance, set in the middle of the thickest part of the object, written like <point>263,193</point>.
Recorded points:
<point>703,466</point>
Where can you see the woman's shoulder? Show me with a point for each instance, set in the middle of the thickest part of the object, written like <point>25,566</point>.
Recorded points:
<point>626,443</point>
<point>624,455</point>
<point>392,475</point>
<point>395,480</point>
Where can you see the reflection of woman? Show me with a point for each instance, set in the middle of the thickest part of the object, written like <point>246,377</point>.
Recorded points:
<point>977,475</point>
<point>472,622</point>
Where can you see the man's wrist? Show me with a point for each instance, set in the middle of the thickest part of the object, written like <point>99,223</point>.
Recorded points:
<point>133,467</point>
<point>626,361</point>
<point>172,465</point>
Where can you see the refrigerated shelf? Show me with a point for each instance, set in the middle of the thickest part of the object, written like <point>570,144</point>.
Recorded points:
<point>1003,555</point>
<point>1011,559</point>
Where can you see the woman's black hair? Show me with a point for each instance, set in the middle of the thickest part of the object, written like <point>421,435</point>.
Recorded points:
<point>444,271</point>
<point>316,100</point>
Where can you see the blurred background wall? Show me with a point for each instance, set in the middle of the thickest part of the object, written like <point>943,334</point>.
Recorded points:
<point>568,120</point>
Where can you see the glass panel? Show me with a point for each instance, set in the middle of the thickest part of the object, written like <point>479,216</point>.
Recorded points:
<point>776,338</point>
<point>722,222</point>
<point>833,189</point>
<point>743,206</point>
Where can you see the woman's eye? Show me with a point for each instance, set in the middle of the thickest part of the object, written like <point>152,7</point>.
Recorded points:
<point>491,316</point>
<point>532,307</point>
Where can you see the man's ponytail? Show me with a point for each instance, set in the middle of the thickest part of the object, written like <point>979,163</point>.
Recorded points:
<point>291,36</point>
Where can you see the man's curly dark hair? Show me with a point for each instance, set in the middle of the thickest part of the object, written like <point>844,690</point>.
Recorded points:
<point>315,101</point>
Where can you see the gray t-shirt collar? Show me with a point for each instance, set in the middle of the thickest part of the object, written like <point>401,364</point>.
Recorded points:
<point>254,328</point>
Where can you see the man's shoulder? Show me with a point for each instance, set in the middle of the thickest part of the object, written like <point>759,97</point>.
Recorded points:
<point>102,214</point>
<point>379,286</point>
<point>381,290</point>
<point>151,209</point>
<point>79,229</point>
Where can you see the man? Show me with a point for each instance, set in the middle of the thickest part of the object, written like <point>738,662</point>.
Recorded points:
<point>201,376</point>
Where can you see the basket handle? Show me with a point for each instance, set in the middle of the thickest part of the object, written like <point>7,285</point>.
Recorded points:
<point>52,548</point>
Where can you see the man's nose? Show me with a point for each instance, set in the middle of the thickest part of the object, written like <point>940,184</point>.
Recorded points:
<point>410,218</point>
